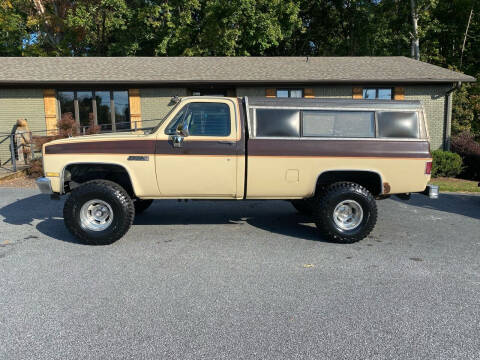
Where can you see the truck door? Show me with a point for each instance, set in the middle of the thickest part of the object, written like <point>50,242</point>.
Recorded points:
<point>203,163</point>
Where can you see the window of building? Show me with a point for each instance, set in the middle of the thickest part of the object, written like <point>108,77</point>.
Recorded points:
<point>207,119</point>
<point>397,124</point>
<point>290,93</point>
<point>338,124</point>
<point>107,108</point>
<point>377,93</point>
<point>282,123</point>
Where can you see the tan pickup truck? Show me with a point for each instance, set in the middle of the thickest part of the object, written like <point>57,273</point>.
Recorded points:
<point>331,158</point>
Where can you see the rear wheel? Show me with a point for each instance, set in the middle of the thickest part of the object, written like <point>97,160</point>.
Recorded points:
<point>98,212</point>
<point>345,212</point>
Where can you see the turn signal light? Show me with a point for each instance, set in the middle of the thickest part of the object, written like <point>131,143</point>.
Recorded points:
<point>428,168</point>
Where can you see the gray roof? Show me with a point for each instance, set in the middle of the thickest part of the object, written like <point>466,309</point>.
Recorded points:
<point>171,70</point>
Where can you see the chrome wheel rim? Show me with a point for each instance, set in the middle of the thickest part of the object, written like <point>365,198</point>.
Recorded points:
<point>348,215</point>
<point>96,215</point>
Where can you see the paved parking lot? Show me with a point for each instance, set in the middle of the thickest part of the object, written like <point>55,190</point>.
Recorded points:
<point>241,280</point>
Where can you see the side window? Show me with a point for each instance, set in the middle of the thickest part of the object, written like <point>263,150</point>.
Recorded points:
<point>271,122</point>
<point>397,124</point>
<point>171,129</point>
<point>339,124</point>
<point>208,119</point>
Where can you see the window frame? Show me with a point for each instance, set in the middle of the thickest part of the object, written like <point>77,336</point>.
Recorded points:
<point>289,90</point>
<point>375,126</point>
<point>377,88</point>
<point>185,109</point>
<point>76,108</point>
<point>252,124</point>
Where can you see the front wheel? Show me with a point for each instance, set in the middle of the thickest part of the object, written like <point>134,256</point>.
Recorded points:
<point>345,212</point>
<point>98,212</point>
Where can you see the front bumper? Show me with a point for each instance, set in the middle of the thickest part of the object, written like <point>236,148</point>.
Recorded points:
<point>44,185</point>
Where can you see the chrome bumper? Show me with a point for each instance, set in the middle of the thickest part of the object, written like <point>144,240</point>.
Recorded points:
<point>44,185</point>
<point>431,191</point>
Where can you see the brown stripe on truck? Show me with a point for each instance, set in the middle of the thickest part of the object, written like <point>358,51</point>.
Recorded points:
<point>339,148</point>
<point>256,147</point>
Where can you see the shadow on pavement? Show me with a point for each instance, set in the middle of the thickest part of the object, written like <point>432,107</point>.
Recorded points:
<point>273,216</point>
<point>461,204</point>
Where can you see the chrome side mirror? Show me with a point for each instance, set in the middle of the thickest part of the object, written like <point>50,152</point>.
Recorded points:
<point>182,130</point>
<point>177,141</point>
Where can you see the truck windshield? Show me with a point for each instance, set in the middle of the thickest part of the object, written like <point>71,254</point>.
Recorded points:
<point>163,119</point>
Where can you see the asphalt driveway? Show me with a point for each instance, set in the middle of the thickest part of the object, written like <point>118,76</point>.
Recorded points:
<point>241,280</point>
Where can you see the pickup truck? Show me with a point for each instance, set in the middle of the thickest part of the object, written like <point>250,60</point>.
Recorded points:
<point>331,158</point>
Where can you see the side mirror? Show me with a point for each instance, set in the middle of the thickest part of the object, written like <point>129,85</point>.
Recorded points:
<point>177,140</point>
<point>182,130</point>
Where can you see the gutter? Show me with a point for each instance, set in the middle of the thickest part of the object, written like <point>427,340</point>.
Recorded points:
<point>447,131</point>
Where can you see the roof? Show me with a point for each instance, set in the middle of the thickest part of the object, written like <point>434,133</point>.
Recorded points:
<point>171,70</point>
<point>334,103</point>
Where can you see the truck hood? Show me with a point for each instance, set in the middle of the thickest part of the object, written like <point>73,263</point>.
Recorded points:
<point>99,137</point>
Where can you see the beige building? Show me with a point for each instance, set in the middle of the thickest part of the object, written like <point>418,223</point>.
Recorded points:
<point>120,93</point>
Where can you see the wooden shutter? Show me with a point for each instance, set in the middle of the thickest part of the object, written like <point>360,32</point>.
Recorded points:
<point>50,103</point>
<point>399,93</point>
<point>308,93</point>
<point>135,108</point>
<point>271,92</point>
<point>357,93</point>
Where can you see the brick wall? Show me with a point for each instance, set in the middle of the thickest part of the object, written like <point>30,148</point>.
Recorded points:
<point>155,102</point>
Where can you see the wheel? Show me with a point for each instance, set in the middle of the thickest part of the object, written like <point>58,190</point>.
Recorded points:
<point>141,205</point>
<point>98,212</point>
<point>345,212</point>
<point>303,206</point>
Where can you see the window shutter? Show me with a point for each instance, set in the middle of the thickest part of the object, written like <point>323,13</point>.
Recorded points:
<point>357,93</point>
<point>399,93</point>
<point>135,108</point>
<point>308,93</point>
<point>50,103</point>
<point>271,92</point>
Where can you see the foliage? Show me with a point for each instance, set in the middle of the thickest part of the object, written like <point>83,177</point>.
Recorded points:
<point>446,164</point>
<point>252,27</point>
<point>465,145</point>
<point>35,170</point>
<point>67,127</point>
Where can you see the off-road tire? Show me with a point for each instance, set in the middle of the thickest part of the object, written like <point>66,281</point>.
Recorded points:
<point>303,206</point>
<point>330,197</point>
<point>110,192</point>
<point>141,205</point>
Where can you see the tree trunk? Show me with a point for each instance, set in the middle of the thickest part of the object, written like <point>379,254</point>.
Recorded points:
<point>415,51</point>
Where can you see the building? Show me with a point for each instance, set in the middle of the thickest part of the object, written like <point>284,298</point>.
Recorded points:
<point>118,93</point>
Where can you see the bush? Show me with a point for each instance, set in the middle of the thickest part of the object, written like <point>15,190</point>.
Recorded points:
<point>36,168</point>
<point>446,163</point>
<point>465,145</point>
<point>66,127</point>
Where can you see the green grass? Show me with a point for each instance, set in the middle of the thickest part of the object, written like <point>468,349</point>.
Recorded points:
<point>455,185</point>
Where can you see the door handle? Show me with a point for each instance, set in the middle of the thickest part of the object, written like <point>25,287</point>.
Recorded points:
<point>227,142</point>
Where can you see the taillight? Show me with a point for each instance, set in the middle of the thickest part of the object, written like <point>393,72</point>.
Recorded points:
<point>428,168</point>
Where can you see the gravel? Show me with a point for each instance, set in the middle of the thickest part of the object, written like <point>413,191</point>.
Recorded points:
<point>241,280</point>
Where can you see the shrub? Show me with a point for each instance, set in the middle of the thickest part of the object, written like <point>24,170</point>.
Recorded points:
<point>66,127</point>
<point>36,168</point>
<point>446,163</point>
<point>465,145</point>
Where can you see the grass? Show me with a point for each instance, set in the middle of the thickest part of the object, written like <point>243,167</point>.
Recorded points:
<point>455,185</point>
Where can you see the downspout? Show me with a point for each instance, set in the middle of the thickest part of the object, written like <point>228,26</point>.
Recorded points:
<point>448,115</point>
